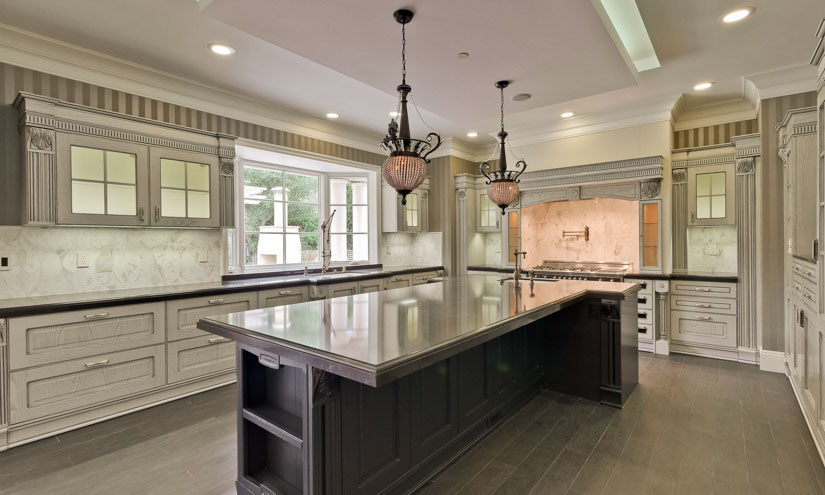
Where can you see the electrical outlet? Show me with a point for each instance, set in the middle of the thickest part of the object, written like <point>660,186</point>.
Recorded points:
<point>83,258</point>
<point>5,263</point>
<point>203,255</point>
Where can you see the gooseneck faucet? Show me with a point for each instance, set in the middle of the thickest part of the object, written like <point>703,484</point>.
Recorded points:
<point>517,271</point>
<point>326,254</point>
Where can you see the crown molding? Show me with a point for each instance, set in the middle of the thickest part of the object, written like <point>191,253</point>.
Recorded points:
<point>32,51</point>
<point>458,148</point>
<point>789,80</point>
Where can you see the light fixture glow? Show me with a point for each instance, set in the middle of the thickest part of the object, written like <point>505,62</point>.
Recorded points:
<point>332,115</point>
<point>738,14</point>
<point>221,49</point>
<point>472,134</point>
<point>703,86</point>
<point>567,115</point>
<point>393,114</point>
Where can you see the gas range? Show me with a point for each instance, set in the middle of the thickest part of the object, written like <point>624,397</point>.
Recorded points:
<point>611,271</point>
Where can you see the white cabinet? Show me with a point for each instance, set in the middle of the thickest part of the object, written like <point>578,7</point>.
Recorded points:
<point>182,315</point>
<point>4,386</point>
<point>646,317</point>
<point>333,290</point>
<point>281,297</point>
<point>703,318</point>
<point>371,285</point>
<point>412,217</point>
<point>199,356</point>
<point>399,281</point>
<point>711,195</point>
<point>488,217</point>
<point>423,277</point>
<point>184,189</point>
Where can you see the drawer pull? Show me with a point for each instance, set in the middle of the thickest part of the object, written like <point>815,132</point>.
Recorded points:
<point>643,330</point>
<point>273,362</point>
<point>702,289</point>
<point>810,297</point>
<point>809,273</point>
<point>218,340</point>
<point>642,315</point>
<point>97,364</point>
<point>704,318</point>
<point>703,305</point>
<point>95,316</point>
<point>284,292</point>
<point>215,301</point>
<point>642,300</point>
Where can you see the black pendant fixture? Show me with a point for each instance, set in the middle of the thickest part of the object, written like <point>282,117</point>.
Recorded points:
<point>406,167</point>
<point>502,183</point>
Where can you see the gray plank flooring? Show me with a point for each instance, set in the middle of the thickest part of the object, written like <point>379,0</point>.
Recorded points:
<point>693,425</point>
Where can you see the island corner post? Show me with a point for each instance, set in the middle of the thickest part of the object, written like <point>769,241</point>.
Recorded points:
<point>314,422</point>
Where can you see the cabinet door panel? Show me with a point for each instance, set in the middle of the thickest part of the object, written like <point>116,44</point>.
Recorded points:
<point>434,418</point>
<point>182,315</point>
<point>281,297</point>
<point>199,356</point>
<point>704,328</point>
<point>474,384</point>
<point>185,191</point>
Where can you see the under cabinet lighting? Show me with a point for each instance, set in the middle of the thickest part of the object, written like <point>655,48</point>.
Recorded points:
<point>221,49</point>
<point>738,14</point>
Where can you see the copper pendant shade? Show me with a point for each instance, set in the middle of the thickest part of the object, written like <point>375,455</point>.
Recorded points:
<point>406,167</point>
<point>502,187</point>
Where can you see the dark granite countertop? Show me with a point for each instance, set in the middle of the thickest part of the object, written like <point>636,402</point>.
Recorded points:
<point>706,276</point>
<point>372,338</point>
<point>24,306</point>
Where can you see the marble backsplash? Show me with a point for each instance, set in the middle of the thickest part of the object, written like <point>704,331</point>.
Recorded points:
<point>43,261</point>
<point>712,249</point>
<point>614,231</point>
<point>492,248</point>
<point>403,249</point>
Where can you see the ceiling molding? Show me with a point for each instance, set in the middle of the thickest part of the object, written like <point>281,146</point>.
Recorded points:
<point>789,80</point>
<point>458,148</point>
<point>32,51</point>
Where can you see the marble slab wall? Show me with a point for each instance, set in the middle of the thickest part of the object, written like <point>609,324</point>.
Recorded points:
<point>712,249</point>
<point>404,249</point>
<point>492,248</point>
<point>614,231</point>
<point>43,261</point>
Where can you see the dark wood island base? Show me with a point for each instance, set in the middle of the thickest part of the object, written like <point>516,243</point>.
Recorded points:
<point>305,426</point>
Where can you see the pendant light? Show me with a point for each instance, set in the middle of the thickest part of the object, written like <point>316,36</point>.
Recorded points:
<point>406,167</point>
<point>502,183</point>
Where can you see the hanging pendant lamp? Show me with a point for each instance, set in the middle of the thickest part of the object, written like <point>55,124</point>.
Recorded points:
<point>502,183</point>
<point>406,167</point>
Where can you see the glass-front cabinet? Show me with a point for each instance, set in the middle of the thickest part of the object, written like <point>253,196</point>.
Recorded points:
<point>489,215</point>
<point>183,186</point>
<point>101,182</point>
<point>651,251</point>
<point>412,217</point>
<point>711,195</point>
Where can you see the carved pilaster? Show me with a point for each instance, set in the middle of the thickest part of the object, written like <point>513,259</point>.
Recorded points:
<point>461,229</point>
<point>651,189</point>
<point>4,381</point>
<point>746,258</point>
<point>227,192</point>
<point>662,315</point>
<point>40,176</point>
<point>679,207</point>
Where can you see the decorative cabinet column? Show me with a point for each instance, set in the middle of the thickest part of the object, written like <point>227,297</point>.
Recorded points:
<point>4,385</point>
<point>679,208</point>
<point>747,158</point>
<point>39,175</point>
<point>661,291</point>
<point>227,192</point>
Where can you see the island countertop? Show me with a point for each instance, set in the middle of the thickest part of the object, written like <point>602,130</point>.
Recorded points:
<point>378,337</point>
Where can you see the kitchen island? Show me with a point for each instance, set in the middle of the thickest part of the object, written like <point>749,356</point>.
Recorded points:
<point>374,393</point>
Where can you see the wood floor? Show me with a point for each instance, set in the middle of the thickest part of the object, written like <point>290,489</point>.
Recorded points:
<point>692,426</point>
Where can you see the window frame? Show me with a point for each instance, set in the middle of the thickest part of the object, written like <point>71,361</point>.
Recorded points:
<point>370,214</point>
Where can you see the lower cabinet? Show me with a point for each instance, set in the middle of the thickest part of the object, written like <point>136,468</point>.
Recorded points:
<point>433,408</point>
<point>703,319</point>
<point>283,296</point>
<point>423,277</point>
<point>333,290</point>
<point>702,328</point>
<point>63,387</point>
<point>399,281</point>
<point>199,356</point>
<point>371,285</point>
<point>182,315</point>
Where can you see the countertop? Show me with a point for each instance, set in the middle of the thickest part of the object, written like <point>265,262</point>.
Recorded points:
<point>23,306</point>
<point>705,276</point>
<point>380,336</point>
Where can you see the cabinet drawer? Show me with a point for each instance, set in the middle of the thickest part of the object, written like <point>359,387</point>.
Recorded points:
<point>51,338</point>
<point>645,300</point>
<point>82,383</point>
<point>421,278</point>
<point>804,292</point>
<point>701,328</point>
<point>645,316</point>
<point>645,332</point>
<point>282,297</point>
<point>199,356</point>
<point>182,315</point>
<point>398,281</point>
<point>646,286</point>
<point>805,272</point>
<point>703,304</point>
<point>715,289</point>
<point>372,285</point>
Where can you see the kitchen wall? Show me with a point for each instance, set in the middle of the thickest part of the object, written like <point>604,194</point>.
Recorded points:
<point>614,231</point>
<point>712,249</point>
<point>713,134</point>
<point>442,202</point>
<point>402,249</point>
<point>770,195</point>
<point>44,259</point>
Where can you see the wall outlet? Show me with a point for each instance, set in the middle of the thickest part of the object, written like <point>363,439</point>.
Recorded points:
<point>203,255</point>
<point>5,263</point>
<point>83,258</point>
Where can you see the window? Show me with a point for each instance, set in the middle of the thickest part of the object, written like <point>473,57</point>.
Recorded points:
<point>349,234</point>
<point>280,217</point>
<point>103,182</point>
<point>710,195</point>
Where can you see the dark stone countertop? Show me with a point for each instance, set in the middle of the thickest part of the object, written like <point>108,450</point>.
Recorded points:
<point>699,276</point>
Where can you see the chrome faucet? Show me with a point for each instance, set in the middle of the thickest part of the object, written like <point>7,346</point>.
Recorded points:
<point>517,271</point>
<point>326,254</point>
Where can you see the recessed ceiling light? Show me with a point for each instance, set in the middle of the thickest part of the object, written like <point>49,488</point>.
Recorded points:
<point>703,86</point>
<point>332,115</point>
<point>463,55</point>
<point>472,134</point>
<point>738,14</point>
<point>522,97</point>
<point>393,114</point>
<point>566,115</point>
<point>221,49</point>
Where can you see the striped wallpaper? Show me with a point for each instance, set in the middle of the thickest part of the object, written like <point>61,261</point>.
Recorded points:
<point>714,134</point>
<point>15,79</point>
<point>771,112</point>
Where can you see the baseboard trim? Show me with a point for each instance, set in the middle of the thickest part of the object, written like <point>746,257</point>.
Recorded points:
<point>773,361</point>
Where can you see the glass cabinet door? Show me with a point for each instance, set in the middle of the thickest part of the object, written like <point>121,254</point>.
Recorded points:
<point>650,249</point>
<point>412,212</point>
<point>101,182</point>
<point>710,194</point>
<point>488,214</point>
<point>184,189</point>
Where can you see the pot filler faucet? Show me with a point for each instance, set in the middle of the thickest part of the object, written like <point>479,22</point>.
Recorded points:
<point>326,254</point>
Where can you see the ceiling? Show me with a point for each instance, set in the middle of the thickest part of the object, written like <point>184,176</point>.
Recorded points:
<point>316,56</point>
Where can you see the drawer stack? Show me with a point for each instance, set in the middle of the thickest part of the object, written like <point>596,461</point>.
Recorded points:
<point>805,283</point>
<point>647,332</point>
<point>703,318</point>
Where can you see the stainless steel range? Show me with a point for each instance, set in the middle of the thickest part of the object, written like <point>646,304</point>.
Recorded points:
<point>611,271</point>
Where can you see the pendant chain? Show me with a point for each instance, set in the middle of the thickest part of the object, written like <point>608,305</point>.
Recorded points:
<point>403,54</point>
<point>502,109</point>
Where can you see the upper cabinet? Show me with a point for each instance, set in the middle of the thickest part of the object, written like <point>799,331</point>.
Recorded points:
<point>412,217</point>
<point>798,149</point>
<point>489,215</point>
<point>711,195</point>
<point>84,166</point>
